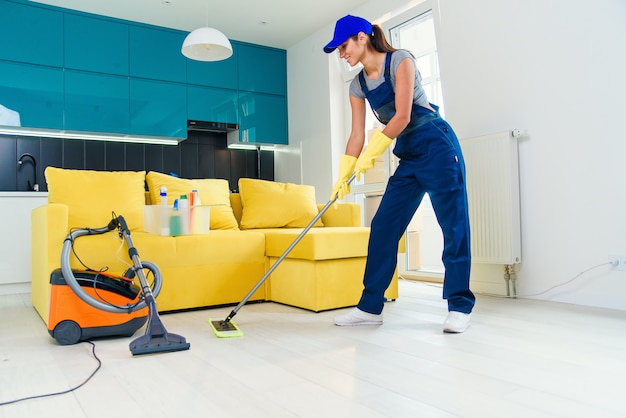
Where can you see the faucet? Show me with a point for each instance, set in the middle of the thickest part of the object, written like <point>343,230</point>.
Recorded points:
<point>34,186</point>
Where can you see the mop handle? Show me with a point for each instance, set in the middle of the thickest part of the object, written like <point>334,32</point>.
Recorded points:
<point>287,251</point>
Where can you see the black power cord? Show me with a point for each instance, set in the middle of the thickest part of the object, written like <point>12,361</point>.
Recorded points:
<point>93,350</point>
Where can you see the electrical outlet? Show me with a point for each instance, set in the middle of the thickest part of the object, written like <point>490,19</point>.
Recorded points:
<point>618,261</point>
<point>519,133</point>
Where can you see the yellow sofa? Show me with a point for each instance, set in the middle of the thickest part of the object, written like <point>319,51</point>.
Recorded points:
<point>324,271</point>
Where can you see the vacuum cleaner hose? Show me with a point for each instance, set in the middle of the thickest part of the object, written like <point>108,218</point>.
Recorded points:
<point>71,281</point>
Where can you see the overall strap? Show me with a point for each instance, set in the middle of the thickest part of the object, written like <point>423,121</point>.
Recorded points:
<point>363,84</point>
<point>388,66</point>
<point>387,73</point>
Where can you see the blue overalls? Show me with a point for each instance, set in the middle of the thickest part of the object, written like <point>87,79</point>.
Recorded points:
<point>430,161</point>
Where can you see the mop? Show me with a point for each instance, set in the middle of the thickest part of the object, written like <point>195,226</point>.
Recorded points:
<point>227,329</point>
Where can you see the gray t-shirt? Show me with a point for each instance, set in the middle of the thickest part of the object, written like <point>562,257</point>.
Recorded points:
<point>419,95</point>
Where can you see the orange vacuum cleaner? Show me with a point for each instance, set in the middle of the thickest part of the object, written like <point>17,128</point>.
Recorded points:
<point>92,304</point>
<point>72,320</point>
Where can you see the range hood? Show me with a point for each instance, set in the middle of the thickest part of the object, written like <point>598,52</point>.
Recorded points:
<point>202,126</point>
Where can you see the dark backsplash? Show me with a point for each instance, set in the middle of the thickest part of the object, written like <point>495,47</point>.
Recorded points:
<point>202,155</point>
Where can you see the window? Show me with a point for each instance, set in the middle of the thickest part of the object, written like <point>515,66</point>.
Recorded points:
<point>418,36</point>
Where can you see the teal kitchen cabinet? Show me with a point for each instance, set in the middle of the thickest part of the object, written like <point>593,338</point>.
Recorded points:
<point>262,110</point>
<point>96,102</point>
<point>155,54</point>
<point>262,118</point>
<point>67,70</point>
<point>211,104</point>
<point>31,34</point>
<point>158,108</point>
<point>97,45</point>
<point>262,69</point>
<point>35,92</point>
<point>221,74</point>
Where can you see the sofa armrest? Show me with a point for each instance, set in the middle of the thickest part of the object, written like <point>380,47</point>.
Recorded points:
<point>342,214</point>
<point>49,227</point>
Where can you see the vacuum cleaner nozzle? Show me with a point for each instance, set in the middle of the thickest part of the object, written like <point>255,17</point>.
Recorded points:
<point>157,339</point>
<point>151,344</point>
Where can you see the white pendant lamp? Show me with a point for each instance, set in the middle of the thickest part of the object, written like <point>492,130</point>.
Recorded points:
<point>207,44</point>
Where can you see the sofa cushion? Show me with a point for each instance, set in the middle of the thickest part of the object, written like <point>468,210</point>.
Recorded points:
<point>270,204</point>
<point>326,243</point>
<point>211,192</point>
<point>92,196</point>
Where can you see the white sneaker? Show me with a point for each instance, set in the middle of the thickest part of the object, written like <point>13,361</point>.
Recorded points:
<point>456,322</point>
<point>358,317</point>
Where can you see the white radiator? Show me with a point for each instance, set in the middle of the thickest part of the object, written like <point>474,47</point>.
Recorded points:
<point>494,200</point>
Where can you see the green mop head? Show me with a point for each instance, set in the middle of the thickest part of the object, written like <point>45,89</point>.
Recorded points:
<point>225,329</point>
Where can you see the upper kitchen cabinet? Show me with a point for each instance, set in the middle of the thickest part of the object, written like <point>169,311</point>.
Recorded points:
<point>262,69</point>
<point>96,102</point>
<point>211,104</point>
<point>96,45</point>
<point>155,54</point>
<point>36,39</point>
<point>34,93</point>
<point>262,118</point>
<point>222,74</point>
<point>158,108</point>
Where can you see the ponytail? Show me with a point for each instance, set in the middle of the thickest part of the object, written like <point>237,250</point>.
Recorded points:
<point>378,40</point>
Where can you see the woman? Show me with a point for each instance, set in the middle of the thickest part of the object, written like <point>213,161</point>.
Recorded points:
<point>430,161</point>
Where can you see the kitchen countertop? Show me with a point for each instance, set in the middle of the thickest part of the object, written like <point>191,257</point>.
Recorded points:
<point>23,194</point>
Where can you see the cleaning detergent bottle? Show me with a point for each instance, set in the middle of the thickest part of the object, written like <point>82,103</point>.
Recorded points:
<point>183,209</point>
<point>196,198</point>
<point>198,221</point>
<point>164,212</point>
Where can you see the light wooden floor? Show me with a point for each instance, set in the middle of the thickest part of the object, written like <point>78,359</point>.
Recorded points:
<point>520,358</point>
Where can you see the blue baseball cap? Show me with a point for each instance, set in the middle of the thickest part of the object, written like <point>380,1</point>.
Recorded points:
<point>346,27</point>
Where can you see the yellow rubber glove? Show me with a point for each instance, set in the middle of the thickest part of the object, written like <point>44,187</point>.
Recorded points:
<point>346,168</point>
<point>376,146</point>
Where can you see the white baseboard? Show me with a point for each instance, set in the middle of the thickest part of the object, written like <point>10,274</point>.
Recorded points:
<point>14,288</point>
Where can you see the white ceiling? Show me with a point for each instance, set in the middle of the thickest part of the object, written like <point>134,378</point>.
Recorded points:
<point>277,23</point>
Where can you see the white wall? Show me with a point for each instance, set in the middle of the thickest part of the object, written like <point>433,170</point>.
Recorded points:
<point>309,123</point>
<point>553,67</point>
